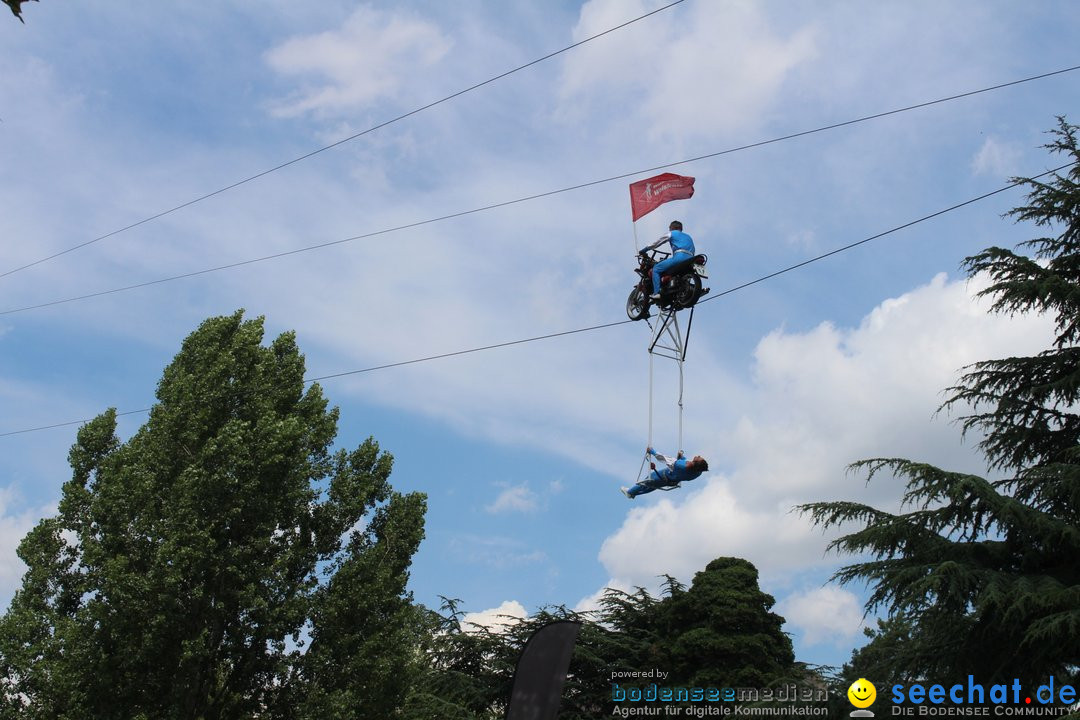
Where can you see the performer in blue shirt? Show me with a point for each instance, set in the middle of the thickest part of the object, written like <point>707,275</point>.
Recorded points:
<point>678,470</point>
<point>682,250</point>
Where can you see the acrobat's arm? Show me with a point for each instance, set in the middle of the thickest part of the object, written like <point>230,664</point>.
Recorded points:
<point>658,243</point>
<point>663,458</point>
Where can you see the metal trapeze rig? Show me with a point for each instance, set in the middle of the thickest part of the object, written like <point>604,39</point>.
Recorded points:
<point>680,286</point>
<point>680,290</point>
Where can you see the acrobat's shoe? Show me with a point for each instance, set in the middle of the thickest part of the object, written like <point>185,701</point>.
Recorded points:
<point>626,492</point>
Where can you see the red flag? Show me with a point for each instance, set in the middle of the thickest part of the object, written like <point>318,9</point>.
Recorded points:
<point>648,194</point>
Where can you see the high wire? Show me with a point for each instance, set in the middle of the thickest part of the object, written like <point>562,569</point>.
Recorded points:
<point>603,326</point>
<point>924,218</point>
<point>527,198</point>
<point>313,153</point>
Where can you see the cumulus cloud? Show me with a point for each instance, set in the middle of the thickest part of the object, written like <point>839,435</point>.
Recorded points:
<point>680,535</point>
<point>517,498</point>
<point>824,615</point>
<point>365,60</point>
<point>497,618</point>
<point>522,498</point>
<point>591,603</point>
<point>997,159</point>
<point>656,68</point>
<point>821,399</point>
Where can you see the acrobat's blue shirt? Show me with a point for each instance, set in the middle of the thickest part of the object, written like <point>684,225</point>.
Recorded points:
<point>678,472</point>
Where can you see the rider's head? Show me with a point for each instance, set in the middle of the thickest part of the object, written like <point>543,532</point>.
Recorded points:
<point>699,463</point>
<point>675,225</point>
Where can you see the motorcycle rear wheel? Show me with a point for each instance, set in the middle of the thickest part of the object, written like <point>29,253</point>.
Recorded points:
<point>687,290</point>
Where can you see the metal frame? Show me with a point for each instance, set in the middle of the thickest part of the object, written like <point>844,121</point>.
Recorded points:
<point>669,341</point>
<point>667,327</point>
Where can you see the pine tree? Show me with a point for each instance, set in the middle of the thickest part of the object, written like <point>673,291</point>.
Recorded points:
<point>181,575</point>
<point>981,574</point>
<point>459,680</point>
<point>721,631</point>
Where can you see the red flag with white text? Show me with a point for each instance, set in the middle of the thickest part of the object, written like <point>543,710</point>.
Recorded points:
<point>648,194</point>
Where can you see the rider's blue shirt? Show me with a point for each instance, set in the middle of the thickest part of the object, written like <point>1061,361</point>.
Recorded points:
<point>681,241</point>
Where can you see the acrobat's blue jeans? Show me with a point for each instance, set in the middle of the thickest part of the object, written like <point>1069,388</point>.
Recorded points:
<point>656,480</point>
<point>664,265</point>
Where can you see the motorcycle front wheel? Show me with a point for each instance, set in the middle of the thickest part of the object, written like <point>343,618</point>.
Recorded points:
<point>637,305</point>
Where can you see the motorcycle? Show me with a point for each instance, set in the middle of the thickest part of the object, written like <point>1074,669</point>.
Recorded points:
<point>680,288</point>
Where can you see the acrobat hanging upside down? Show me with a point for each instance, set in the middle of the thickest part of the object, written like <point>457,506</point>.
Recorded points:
<point>678,470</point>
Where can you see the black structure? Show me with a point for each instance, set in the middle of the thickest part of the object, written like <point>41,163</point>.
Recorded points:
<point>541,672</point>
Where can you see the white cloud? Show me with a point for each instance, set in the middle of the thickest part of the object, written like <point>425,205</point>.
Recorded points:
<point>368,59</point>
<point>821,399</point>
<point>517,498</point>
<point>679,535</point>
<point>496,619</point>
<point>997,159</point>
<point>824,615</point>
<point>656,69</point>
<point>591,603</point>
<point>13,528</point>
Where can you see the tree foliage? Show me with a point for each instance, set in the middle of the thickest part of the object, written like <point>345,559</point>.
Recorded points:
<point>719,632</point>
<point>226,562</point>
<point>461,679</point>
<point>980,576</point>
<point>187,567</point>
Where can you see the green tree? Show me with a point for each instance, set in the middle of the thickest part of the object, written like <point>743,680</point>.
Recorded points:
<point>721,632</point>
<point>883,660</point>
<point>186,566</point>
<point>366,631</point>
<point>460,680</point>
<point>718,632</point>
<point>980,576</point>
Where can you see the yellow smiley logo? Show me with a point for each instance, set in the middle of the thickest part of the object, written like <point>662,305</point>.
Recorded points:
<point>862,693</point>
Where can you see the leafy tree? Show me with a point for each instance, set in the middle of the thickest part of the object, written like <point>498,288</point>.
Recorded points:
<point>980,576</point>
<point>181,575</point>
<point>365,629</point>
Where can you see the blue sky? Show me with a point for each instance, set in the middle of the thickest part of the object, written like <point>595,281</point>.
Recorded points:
<point>112,114</point>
